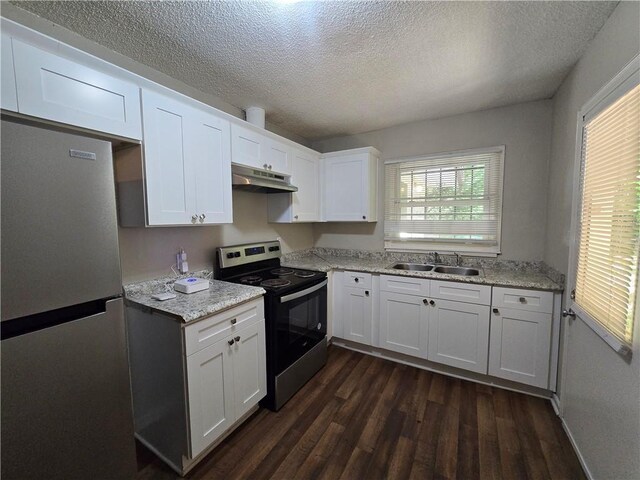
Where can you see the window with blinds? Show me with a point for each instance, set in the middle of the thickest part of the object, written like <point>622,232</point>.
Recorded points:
<point>609,217</point>
<point>449,201</point>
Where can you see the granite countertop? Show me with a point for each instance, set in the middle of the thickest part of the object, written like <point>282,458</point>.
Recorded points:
<point>193,306</point>
<point>532,275</point>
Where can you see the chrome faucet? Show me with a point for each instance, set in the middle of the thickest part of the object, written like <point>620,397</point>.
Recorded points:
<point>436,257</point>
<point>458,259</point>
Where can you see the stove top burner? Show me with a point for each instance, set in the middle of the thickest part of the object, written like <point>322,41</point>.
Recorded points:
<point>276,283</point>
<point>251,279</point>
<point>282,271</point>
<point>304,274</point>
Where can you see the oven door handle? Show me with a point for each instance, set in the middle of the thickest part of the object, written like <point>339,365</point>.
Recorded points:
<point>293,296</point>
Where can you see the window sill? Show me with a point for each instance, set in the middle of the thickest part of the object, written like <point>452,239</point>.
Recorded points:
<point>617,345</point>
<point>444,248</point>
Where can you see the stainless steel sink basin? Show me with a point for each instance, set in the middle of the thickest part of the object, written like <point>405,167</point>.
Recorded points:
<point>457,270</point>
<point>420,267</point>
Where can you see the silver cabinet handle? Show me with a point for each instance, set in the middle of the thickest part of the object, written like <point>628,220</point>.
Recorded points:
<point>202,217</point>
<point>232,341</point>
<point>237,339</point>
<point>496,311</point>
<point>522,300</point>
<point>194,217</point>
<point>233,321</point>
<point>569,313</point>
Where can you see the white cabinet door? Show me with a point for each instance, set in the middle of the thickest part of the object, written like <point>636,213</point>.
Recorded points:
<point>211,396</point>
<point>169,175</point>
<point>58,89</point>
<point>277,156</point>
<point>350,183</point>
<point>520,346</point>
<point>404,323</point>
<point>249,367</point>
<point>459,335</point>
<point>8,97</point>
<point>356,314</point>
<point>248,147</point>
<point>209,148</point>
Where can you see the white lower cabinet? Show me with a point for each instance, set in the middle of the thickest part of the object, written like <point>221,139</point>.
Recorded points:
<point>520,346</point>
<point>404,322</point>
<point>357,314</point>
<point>459,335</point>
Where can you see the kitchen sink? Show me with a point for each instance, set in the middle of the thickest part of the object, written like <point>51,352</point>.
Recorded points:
<point>420,267</point>
<point>457,270</point>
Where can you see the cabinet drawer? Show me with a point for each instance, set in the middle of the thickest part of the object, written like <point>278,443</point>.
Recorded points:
<point>462,292</point>
<point>408,285</point>
<point>531,300</point>
<point>208,331</point>
<point>357,279</point>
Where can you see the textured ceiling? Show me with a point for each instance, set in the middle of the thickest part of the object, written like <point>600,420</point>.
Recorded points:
<point>344,67</point>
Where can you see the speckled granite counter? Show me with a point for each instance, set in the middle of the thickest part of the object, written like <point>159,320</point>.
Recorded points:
<point>189,307</point>
<point>533,275</point>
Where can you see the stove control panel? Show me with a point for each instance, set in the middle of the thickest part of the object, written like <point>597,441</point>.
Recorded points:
<point>242,254</point>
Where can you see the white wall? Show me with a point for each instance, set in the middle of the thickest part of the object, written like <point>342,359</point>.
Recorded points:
<point>524,128</point>
<point>600,391</point>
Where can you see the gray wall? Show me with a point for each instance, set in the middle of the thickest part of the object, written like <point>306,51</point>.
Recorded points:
<point>524,128</point>
<point>150,252</point>
<point>600,391</point>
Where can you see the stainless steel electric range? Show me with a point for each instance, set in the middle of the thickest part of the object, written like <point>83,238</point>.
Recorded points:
<point>295,314</point>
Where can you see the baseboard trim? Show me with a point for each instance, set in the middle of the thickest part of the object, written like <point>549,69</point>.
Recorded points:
<point>555,403</point>
<point>586,470</point>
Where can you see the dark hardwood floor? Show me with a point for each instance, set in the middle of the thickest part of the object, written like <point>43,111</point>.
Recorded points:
<point>362,417</point>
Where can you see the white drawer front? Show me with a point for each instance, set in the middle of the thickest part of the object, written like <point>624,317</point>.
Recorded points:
<point>357,279</point>
<point>401,284</point>
<point>208,331</point>
<point>531,300</point>
<point>462,292</point>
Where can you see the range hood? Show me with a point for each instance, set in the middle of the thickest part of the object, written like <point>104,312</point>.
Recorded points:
<point>259,181</point>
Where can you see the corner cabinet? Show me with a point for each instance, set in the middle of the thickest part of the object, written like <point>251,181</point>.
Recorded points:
<point>187,163</point>
<point>193,384</point>
<point>58,89</point>
<point>350,185</point>
<point>303,205</point>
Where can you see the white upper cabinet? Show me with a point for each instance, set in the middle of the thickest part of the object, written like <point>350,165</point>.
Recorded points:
<point>54,88</point>
<point>350,183</point>
<point>303,205</point>
<point>258,150</point>
<point>187,164</point>
<point>9,97</point>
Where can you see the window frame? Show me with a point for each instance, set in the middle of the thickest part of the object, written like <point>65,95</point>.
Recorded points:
<point>617,87</point>
<point>461,246</point>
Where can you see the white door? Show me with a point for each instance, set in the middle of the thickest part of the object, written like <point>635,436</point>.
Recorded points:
<point>356,315</point>
<point>248,147</point>
<point>404,323</point>
<point>211,397</point>
<point>209,143</point>
<point>249,367</point>
<point>58,89</point>
<point>459,335</point>
<point>277,156</point>
<point>520,346</point>
<point>346,194</point>
<point>8,96</point>
<point>305,171</point>
<point>169,174</point>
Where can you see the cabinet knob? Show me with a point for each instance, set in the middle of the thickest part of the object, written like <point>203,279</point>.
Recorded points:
<point>496,311</point>
<point>425,301</point>
<point>432,303</point>
<point>356,279</point>
<point>232,341</point>
<point>296,217</point>
<point>202,217</point>
<point>194,217</point>
<point>233,321</point>
<point>364,217</point>
<point>265,166</point>
<point>269,167</point>
<point>522,300</point>
<point>237,339</point>
<point>366,292</point>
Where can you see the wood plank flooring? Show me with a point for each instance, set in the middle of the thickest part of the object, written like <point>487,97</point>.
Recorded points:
<point>362,417</point>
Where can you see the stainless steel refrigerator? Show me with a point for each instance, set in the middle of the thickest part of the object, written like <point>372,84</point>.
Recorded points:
<point>66,400</point>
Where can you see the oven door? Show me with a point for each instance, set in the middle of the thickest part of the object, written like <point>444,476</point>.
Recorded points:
<point>301,322</point>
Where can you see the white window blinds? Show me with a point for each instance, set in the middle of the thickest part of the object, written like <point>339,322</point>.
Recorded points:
<point>449,201</point>
<point>609,224</point>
